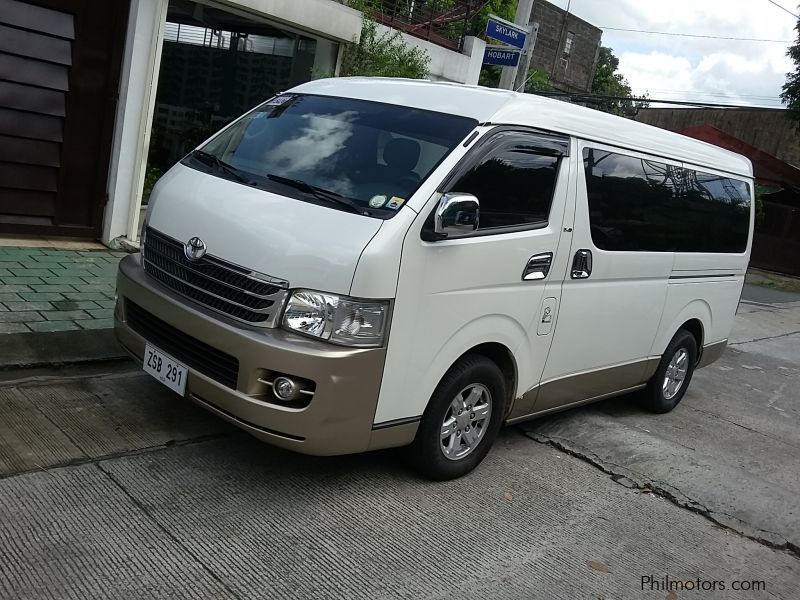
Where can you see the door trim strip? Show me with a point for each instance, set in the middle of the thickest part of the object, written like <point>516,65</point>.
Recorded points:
<point>702,276</point>
<point>583,387</point>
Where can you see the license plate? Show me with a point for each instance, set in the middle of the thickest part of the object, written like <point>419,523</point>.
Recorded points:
<point>166,369</point>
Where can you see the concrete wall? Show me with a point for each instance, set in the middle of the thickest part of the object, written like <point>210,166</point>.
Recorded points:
<point>319,17</point>
<point>134,117</point>
<point>554,25</point>
<point>446,65</point>
<point>767,129</point>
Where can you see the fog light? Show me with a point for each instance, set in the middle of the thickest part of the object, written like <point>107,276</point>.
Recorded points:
<point>285,389</point>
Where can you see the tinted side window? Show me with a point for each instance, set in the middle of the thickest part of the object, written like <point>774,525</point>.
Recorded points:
<point>514,185</point>
<point>646,205</point>
<point>722,211</point>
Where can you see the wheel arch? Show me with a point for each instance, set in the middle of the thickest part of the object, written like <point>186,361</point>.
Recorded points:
<point>501,338</point>
<point>695,327</point>
<point>502,356</point>
<point>695,318</point>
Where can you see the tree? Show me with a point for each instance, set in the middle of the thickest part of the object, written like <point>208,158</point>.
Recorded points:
<point>538,81</point>
<point>791,89</point>
<point>383,55</point>
<point>608,82</point>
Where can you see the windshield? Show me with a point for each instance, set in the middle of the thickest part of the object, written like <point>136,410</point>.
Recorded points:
<point>335,151</point>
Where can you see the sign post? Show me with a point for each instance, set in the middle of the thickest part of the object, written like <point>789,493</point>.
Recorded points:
<point>517,35</point>
<point>521,77</point>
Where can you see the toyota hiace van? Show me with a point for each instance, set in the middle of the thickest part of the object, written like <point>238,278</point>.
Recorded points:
<point>367,263</point>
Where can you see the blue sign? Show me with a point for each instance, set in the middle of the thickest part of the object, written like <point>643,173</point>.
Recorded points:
<point>501,55</point>
<point>503,31</point>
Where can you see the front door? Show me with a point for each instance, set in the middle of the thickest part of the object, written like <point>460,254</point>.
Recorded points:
<point>500,284</point>
<point>59,74</point>
<point>615,288</point>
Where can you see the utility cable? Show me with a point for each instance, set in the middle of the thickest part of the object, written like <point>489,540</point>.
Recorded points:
<point>783,8</point>
<point>697,35</point>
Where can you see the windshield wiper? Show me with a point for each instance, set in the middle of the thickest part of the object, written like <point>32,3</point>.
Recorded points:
<point>208,158</point>
<point>318,192</point>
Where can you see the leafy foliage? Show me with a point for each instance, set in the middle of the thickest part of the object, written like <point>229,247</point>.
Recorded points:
<point>502,8</point>
<point>609,82</point>
<point>538,81</point>
<point>151,176</point>
<point>791,89</point>
<point>383,55</point>
<point>414,12</point>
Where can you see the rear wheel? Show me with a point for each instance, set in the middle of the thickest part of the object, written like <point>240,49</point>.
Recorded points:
<point>462,420</point>
<point>668,385</point>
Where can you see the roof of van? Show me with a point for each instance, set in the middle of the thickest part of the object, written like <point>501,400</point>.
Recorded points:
<point>489,105</point>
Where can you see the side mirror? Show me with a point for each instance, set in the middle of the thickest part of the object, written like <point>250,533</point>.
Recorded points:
<point>457,215</point>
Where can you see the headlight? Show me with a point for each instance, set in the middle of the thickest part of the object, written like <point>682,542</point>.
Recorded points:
<point>338,319</point>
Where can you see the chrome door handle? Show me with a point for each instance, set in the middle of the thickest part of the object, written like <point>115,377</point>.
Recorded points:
<point>582,264</point>
<point>538,267</point>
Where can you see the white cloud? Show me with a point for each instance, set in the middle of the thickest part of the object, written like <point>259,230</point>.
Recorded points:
<point>683,68</point>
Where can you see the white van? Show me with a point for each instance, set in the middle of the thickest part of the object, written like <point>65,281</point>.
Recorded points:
<point>367,263</point>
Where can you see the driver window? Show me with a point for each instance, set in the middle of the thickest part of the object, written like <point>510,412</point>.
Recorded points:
<point>514,185</point>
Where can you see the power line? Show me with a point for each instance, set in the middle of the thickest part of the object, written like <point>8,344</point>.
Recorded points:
<point>598,97</point>
<point>783,8</point>
<point>695,35</point>
<point>714,94</point>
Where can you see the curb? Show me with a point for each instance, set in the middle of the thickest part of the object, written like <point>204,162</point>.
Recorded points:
<point>58,348</point>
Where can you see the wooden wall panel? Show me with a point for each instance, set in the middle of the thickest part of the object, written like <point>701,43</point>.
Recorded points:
<point>34,72</point>
<point>29,152</point>
<point>59,78</point>
<point>30,125</point>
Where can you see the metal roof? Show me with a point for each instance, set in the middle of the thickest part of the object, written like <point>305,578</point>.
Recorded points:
<point>488,105</point>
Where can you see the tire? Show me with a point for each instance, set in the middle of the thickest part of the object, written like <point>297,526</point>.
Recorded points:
<point>661,396</point>
<point>474,381</point>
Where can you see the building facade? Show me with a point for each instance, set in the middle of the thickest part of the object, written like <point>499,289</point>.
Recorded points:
<point>566,47</point>
<point>99,97</point>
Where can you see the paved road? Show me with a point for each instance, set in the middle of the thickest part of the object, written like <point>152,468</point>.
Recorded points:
<point>767,295</point>
<point>730,451</point>
<point>111,487</point>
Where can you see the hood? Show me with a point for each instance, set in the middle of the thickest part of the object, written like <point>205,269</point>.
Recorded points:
<point>308,245</point>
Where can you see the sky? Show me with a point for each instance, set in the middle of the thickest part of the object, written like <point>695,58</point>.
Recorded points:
<point>684,68</point>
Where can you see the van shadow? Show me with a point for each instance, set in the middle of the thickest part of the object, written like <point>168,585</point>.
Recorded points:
<point>624,406</point>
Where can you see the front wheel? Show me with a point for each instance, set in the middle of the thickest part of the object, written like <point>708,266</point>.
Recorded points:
<point>461,421</point>
<point>668,385</point>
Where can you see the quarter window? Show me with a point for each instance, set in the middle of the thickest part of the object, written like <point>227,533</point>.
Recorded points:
<point>514,184</point>
<point>638,204</point>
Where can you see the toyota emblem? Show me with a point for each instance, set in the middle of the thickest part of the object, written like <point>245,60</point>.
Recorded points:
<point>195,248</point>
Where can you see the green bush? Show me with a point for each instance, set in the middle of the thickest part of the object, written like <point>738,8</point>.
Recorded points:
<point>383,55</point>
<point>151,176</point>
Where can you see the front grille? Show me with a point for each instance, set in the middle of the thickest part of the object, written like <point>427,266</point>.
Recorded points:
<point>212,282</point>
<point>201,357</point>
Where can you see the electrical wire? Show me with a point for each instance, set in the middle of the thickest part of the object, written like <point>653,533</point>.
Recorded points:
<point>695,35</point>
<point>783,8</point>
<point>714,94</point>
<point>598,97</point>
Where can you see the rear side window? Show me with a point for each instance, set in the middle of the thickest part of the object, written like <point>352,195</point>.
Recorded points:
<point>514,183</point>
<point>646,205</point>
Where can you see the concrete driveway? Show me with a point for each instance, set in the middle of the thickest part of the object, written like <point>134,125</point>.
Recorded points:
<point>112,487</point>
<point>731,450</point>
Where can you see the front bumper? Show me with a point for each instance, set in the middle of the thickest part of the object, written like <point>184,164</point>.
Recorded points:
<point>339,417</point>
